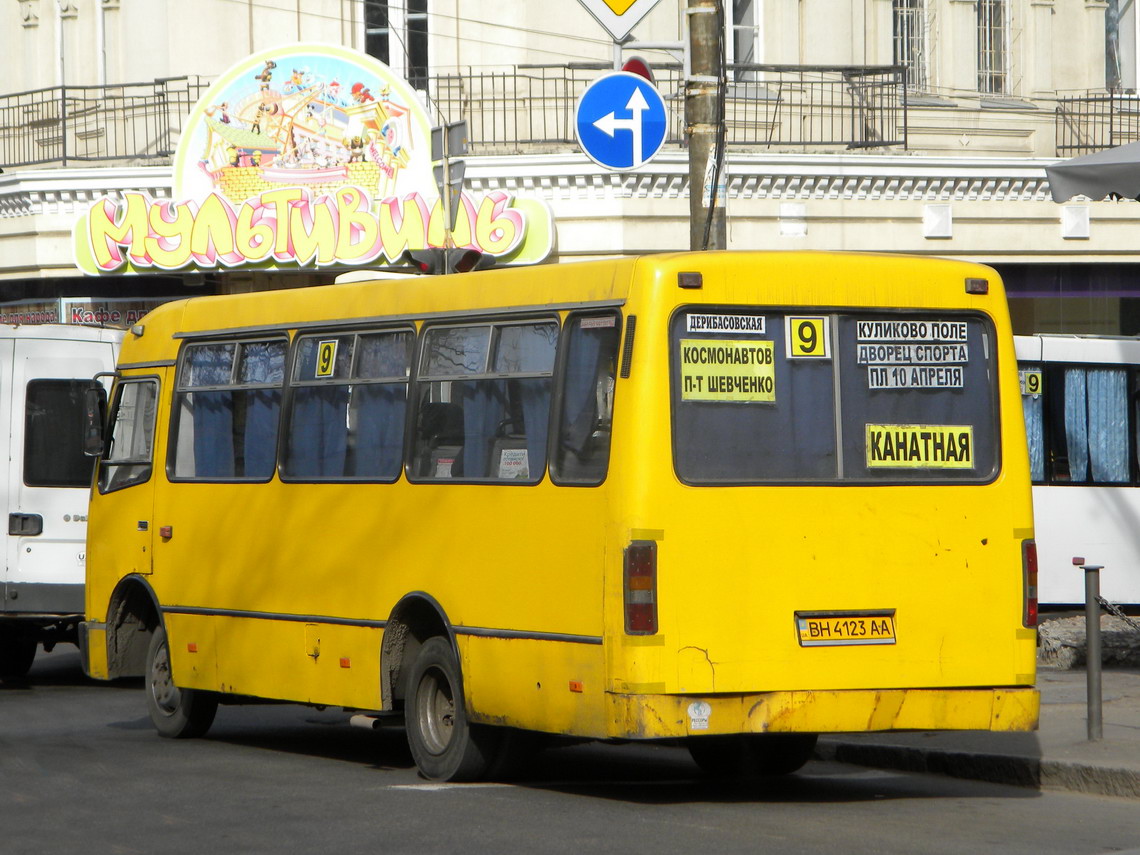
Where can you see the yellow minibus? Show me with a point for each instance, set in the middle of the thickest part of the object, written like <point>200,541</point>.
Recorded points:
<point>733,499</point>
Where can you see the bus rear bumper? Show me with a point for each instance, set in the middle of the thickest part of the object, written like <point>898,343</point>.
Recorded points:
<point>845,711</point>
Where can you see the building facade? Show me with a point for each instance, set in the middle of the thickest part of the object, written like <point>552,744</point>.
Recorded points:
<point>919,126</point>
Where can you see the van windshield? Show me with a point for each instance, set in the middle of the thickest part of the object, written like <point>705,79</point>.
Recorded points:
<point>768,396</point>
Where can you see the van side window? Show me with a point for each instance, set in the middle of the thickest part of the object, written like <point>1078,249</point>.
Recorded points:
<point>226,409</point>
<point>582,447</point>
<point>484,401</point>
<point>128,457</point>
<point>53,434</point>
<point>346,412</point>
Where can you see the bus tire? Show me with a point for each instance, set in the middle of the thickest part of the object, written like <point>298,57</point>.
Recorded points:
<point>445,746</point>
<point>17,651</point>
<point>751,755</point>
<point>176,713</point>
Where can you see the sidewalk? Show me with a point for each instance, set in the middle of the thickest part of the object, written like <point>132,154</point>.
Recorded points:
<point>1057,757</point>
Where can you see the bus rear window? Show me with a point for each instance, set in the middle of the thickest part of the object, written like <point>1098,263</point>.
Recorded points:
<point>764,396</point>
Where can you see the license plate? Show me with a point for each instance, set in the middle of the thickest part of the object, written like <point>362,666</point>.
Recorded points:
<point>829,629</point>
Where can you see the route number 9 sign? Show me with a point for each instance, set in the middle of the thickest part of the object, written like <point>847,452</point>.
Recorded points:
<point>807,336</point>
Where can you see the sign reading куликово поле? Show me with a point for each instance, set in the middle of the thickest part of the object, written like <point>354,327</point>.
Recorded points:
<point>303,156</point>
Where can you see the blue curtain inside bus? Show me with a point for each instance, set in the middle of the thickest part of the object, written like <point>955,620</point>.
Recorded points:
<point>1076,424</point>
<point>1108,425</point>
<point>1096,425</point>
<point>1034,409</point>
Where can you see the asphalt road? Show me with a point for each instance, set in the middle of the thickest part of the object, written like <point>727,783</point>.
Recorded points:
<point>82,771</point>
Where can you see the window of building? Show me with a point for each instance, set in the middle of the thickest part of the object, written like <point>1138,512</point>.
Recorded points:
<point>993,47</point>
<point>744,36</point>
<point>1120,45</point>
<point>908,23</point>
<point>396,33</point>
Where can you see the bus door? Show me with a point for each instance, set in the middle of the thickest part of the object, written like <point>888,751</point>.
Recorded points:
<point>49,476</point>
<point>125,526</point>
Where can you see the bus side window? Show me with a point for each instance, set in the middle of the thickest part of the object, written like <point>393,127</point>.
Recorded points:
<point>582,449</point>
<point>226,409</point>
<point>127,460</point>
<point>483,395</point>
<point>346,413</point>
<point>1089,421</point>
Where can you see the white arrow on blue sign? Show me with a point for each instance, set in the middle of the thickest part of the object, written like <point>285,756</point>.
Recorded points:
<point>621,121</point>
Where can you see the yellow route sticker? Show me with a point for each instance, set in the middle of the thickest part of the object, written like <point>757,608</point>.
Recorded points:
<point>717,370</point>
<point>1032,381</point>
<point>807,337</point>
<point>326,358</point>
<point>920,447</point>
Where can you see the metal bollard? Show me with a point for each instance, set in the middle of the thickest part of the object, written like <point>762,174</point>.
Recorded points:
<point>1092,647</point>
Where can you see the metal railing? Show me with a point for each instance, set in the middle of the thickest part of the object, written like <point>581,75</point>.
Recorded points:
<point>766,106</point>
<point>1095,121</point>
<point>65,125</point>
<point>525,109</point>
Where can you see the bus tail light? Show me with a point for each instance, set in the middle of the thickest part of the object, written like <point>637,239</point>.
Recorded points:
<point>1029,572</point>
<point>641,588</point>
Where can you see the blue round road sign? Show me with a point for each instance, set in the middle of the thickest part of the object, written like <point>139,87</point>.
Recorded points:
<point>621,121</point>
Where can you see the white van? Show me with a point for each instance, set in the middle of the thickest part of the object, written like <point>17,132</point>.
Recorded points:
<point>45,371</point>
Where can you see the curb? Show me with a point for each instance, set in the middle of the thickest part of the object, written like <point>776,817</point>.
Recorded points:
<point>1029,772</point>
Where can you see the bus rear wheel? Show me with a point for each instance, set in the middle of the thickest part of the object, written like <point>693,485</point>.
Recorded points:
<point>751,755</point>
<point>17,651</point>
<point>176,713</point>
<point>445,746</point>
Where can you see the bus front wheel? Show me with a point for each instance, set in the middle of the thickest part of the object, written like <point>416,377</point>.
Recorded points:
<point>750,755</point>
<point>176,713</point>
<point>445,746</point>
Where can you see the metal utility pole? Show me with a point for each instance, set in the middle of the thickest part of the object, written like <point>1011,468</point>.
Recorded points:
<point>703,121</point>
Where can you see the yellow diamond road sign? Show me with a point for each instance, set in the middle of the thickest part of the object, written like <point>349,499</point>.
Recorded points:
<point>618,16</point>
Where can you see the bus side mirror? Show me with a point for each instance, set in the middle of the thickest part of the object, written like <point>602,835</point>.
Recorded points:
<point>94,417</point>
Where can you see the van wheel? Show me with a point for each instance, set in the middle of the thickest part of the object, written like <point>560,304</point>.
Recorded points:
<point>17,651</point>
<point>445,746</point>
<point>176,713</point>
<point>752,755</point>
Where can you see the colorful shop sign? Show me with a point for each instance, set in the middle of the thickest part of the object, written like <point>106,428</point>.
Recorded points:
<point>303,156</point>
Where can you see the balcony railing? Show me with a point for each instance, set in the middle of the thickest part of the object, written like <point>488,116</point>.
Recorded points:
<point>1095,121</point>
<point>65,125</point>
<point>526,109</point>
<point>766,106</point>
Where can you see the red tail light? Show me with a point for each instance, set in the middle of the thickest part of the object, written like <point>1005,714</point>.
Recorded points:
<point>641,588</point>
<point>1029,571</point>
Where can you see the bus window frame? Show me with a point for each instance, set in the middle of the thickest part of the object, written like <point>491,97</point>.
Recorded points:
<point>292,385</point>
<point>835,315</point>
<point>105,460</point>
<point>179,388</point>
<point>559,391</point>
<point>420,382</point>
<point>1053,415</point>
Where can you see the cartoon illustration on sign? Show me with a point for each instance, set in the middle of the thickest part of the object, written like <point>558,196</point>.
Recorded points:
<point>298,156</point>
<point>269,130</point>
